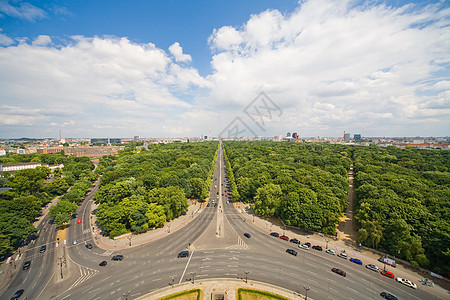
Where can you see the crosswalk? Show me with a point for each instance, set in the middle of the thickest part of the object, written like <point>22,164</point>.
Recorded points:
<point>240,245</point>
<point>85,274</point>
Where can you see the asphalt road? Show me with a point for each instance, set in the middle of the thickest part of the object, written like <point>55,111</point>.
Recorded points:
<point>213,254</point>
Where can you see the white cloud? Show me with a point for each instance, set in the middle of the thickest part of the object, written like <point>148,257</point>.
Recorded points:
<point>42,40</point>
<point>177,52</point>
<point>351,66</point>
<point>22,10</point>
<point>5,40</point>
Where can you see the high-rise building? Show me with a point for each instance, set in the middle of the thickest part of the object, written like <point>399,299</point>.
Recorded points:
<point>357,137</point>
<point>295,135</point>
<point>346,137</point>
<point>288,134</point>
<point>136,138</point>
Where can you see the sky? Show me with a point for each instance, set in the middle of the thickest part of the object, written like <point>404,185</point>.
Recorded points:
<point>224,68</point>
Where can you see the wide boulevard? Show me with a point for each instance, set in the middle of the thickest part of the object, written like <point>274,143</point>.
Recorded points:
<point>218,249</point>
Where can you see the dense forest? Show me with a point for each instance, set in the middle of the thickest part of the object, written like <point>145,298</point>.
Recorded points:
<point>403,203</point>
<point>304,184</point>
<point>32,189</point>
<point>143,189</point>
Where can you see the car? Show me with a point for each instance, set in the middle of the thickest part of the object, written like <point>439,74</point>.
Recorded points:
<point>26,265</point>
<point>117,257</point>
<point>342,255</point>
<point>183,213</point>
<point>103,263</point>
<point>372,267</point>
<point>388,274</point>
<point>247,235</point>
<point>406,282</point>
<point>215,204</point>
<point>308,244</point>
<point>89,245</point>
<point>43,248</point>
<point>318,248</point>
<point>295,241</point>
<point>17,294</point>
<point>75,242</point>
<point>388,296</point>
<point>303,246</point>
<point>207,205</point>
<point>275,234</point>
<point>356,261</point>
<point>183,254</point>
<point>339,271</point>
<point>290,251</point>
<point>283,237</point>
<point>331,251</point>
<point>79,221</point>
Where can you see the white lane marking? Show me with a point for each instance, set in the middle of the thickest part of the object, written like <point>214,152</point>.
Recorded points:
<point>34,285</point>
<point>353,290</point>
<point>187,264</point>
<point>65,297</point>
<point>156,279</point>
<point>45,286</point>
<point>94,290</point>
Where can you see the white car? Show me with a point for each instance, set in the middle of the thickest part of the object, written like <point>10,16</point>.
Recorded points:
<point>407,282</point>
<point>304,247</point>
<point>331,251</point>
<point>372,267</point>
<point>343,255</point>
<point>75,242</point>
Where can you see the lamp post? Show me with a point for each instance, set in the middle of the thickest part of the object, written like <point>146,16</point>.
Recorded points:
<point>246,276</point>
<point>307,288</point>
<point>327,243</point>
<point>193,276</point>
<point>125,295</point>
<point>129,238</point>
<point>169,228</point>
<point>173,280</point>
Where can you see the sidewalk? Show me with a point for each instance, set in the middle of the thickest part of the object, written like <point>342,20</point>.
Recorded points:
<point>129,240</point>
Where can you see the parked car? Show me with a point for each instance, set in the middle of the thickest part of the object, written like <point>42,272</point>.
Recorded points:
<point>103,263</point>
<point>183,254</point>
<point>388,296</point>
<point>315,247</point>
<point>303,247</point>
<point>247,235</point>
<point>89,245</point>
<point>372,267</point>
<point>17,294</point>
<point>43,248</point>
<point>406,282</point>
<point>290,251</point>
<point>388,274</point>
<point>331,251</point>
<point>356,261</point>
<point>283,237</point>
<point>26,265</point>
<point>117,257</point>
<point>295,241</point>
<point>308,244</point>
<point>342,255</point>
<point>275,234</point>
<point>339,271</point>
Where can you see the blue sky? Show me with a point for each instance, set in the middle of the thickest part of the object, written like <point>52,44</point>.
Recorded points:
<point>179,68</point>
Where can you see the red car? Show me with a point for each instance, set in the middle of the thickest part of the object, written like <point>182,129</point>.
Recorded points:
<point>339,271</point>
<point>388,274</point>
<point>283,237</point>
<point>79,221</point>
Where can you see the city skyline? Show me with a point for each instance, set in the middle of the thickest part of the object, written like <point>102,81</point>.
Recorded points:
<point>193,69</point>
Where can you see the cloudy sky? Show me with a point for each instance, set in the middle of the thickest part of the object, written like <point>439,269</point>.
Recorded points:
<point>191,68</point>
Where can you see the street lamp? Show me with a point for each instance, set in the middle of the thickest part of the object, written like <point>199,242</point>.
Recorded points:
<point>125,295</point>
<point>129,238</point>
<point>307,288</point>
<point>246,276</point>
<point>173,280</point>
<point>193,276</point>
<point>327,243</point>
<point>169,228</point>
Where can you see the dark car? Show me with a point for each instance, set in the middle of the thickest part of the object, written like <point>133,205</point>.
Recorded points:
<point>43,248</point>
<point>275,234</point>
<point>117,257</point>
<point>103,263</point>
<point>89,245</point>
<point>283,237</point>
<point>183,254</point>
<point>290,251</point>
<point>388,296</point>
<point>339,271</point>
<point>318,248</point>
<point>308,244</point>
<point>17,294</point>
<point>356,261</point>
<point>247,235</point>
<point>207,205</point>
<point>295,241</point>
<point>183,213</point>
<point>26,265</point>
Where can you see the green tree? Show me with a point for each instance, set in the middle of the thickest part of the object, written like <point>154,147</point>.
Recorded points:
<point>267,199</point>
<point>62,211</point>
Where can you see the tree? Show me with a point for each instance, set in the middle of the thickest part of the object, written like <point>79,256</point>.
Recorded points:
<point>267,199</point>
<point>172,198</point>
<point>199,189</point>
<point>62,211</point>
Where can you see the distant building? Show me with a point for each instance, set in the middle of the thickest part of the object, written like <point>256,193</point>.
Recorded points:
<point>106,141</point>
<point>288,134</point>
<point>295,135</point>
<point>357,137</point>
<point>54,150</point>
<point>20,166</point>
<point>346,137</point>
<point>92,152</point>
<point>136,138</point>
